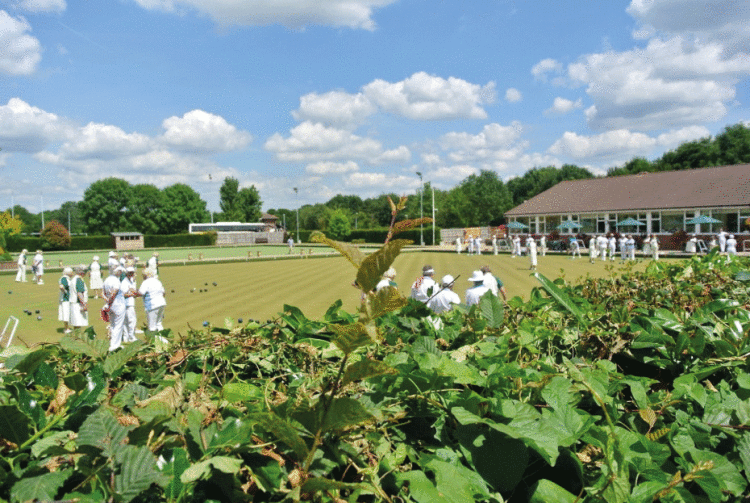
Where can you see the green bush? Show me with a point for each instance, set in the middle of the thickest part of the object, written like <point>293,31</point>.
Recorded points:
<point>179,240</point>
<point>17,242</point>
<point>91,242</point>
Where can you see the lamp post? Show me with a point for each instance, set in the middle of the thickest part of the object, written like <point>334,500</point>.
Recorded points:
<point>296,193</point>
<point>421,210</point>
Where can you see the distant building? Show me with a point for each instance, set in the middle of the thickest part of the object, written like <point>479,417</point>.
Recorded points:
<point>128,240</point>
<point>662,201</point>
<point>271,222</point>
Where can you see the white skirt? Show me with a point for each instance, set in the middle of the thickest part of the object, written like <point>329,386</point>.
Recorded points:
<point>78,318</point>
<point>95,281</point>
<point>63,311</point>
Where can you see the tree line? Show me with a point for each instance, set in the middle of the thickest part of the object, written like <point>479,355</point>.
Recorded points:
<point>114,205</point>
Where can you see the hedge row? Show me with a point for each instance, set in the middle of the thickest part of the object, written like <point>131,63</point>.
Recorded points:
<point>379,235</point>
<point>17,243</point>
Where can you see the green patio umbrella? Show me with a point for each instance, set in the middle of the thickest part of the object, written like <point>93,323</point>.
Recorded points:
<point>703,219</point>
<point>629,221</point>
<point>569,224</point>
<point>516,225</point>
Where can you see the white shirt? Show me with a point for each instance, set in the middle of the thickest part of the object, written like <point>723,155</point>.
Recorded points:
<point>731,245</point>
<point>153,294</point>
<point>491,283</point>
<point>112,287</point>
<point>129,284</point>
<point>22,259</point>
<point>420,290</point>
<point>443,301</point>
<point>475,293</point>
<point>382,284</point>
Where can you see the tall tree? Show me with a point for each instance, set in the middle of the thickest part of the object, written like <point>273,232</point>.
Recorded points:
<point>477,201</point>
<point>103,206</point>
<point>734,145</point>
<point>69,211</point>
<point>144,206</point>
<point>31,222</point>
<point>181,207</point>
<point>228,199</point>
<point>248,204</point>
<point>338,226</point>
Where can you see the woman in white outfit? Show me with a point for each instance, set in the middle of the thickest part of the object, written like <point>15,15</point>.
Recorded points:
<point>542,245</point>
<point>37,267</point>
<point>21,274</point>
<point>731,245</point>
<point>79,299</point>
<point>95,280</point>
<point>458,245</point>
<point>154,302</point>
<point>115,295</point>
<point>531,243</point>
<point>63,302</point>
<point>654,247</point>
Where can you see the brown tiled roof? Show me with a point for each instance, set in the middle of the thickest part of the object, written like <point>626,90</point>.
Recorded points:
<point>724,186</point>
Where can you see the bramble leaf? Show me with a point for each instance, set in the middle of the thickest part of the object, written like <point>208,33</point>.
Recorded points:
<point>40,488</point>
<point>352,253</point>
<point>14,424</point>
<point>351,337</point>
<point>365,369</point>
<point>372,268</point>
<point>284,432</point>
<point>407,225</point>
<point>384,301</point>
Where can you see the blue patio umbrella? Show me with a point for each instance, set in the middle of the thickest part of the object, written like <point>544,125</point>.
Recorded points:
<point>630,222</point>
<point>703,219</point>
<point>516,225</point>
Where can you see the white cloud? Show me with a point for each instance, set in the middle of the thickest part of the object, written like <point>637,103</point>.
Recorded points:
<point>199,131</point>
<point>724,21</point>
<point>335,108</point>
<point>331,168</point>
<point>561,106</point>
<point>382,182</point>
<point>620,144</point>
<point>455,173</point>
<point>428,97</point>
<point>28,129</point>
<point>296,14</point>
<point>513,95</point>
<point>103,141</point>
<point>20,53</point>
<point>544,67</point>
<point>37,6</point>
<point>314,142</point>
<point>492,136</point>
<point>669,83</point>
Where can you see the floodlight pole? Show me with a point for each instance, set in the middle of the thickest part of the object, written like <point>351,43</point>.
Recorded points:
<point>421,209</point>
<point>433,215</point>
<point>41,201</point>
<point>296,193</point>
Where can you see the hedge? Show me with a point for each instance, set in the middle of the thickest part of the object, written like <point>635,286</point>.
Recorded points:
<point>379,235</point>
<point>179,240</point>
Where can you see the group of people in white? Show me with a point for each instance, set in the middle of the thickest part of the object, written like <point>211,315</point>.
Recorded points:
<point>37,267</point>
<point>119,292</point>
<point>474,245</point>
<point>441,297</point>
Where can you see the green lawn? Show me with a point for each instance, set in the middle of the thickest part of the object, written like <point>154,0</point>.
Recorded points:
<point>259,289</point>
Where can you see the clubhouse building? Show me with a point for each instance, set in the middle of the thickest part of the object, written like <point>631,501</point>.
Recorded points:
<point>661,203</point>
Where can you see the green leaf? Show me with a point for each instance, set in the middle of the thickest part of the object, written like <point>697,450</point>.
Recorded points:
<point>562,298</point>
<point>97,348</point>
<point>30,362</point>
<point>492,310</point>
<point>45,376</point>
<point>344,413</point>
<point>201,469</point>
<point>276,426</point>
<point>40,488</point>
<point>137,471</point>
<point>14,424</point>
<point>457,483</point>
<point>384,301</point>
<point>350,337</point>
<point>365,369</point>
<point>118,359</point>
<point>352,253</point>
<point>547,491</point>
<point>240,391</point>
<point>317,484</point>
<point>53,442</point>
<point>372,268</point>
<point>102,430</point>
<point>421,489</point>
<point>175,467</point>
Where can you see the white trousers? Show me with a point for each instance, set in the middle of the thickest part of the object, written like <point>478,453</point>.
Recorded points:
<point>21,274</point>
<point>130,322</point>
<point>155,317</point>
<point>117,325</point>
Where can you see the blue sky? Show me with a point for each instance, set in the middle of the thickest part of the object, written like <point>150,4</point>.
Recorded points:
<point>353,96</point>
